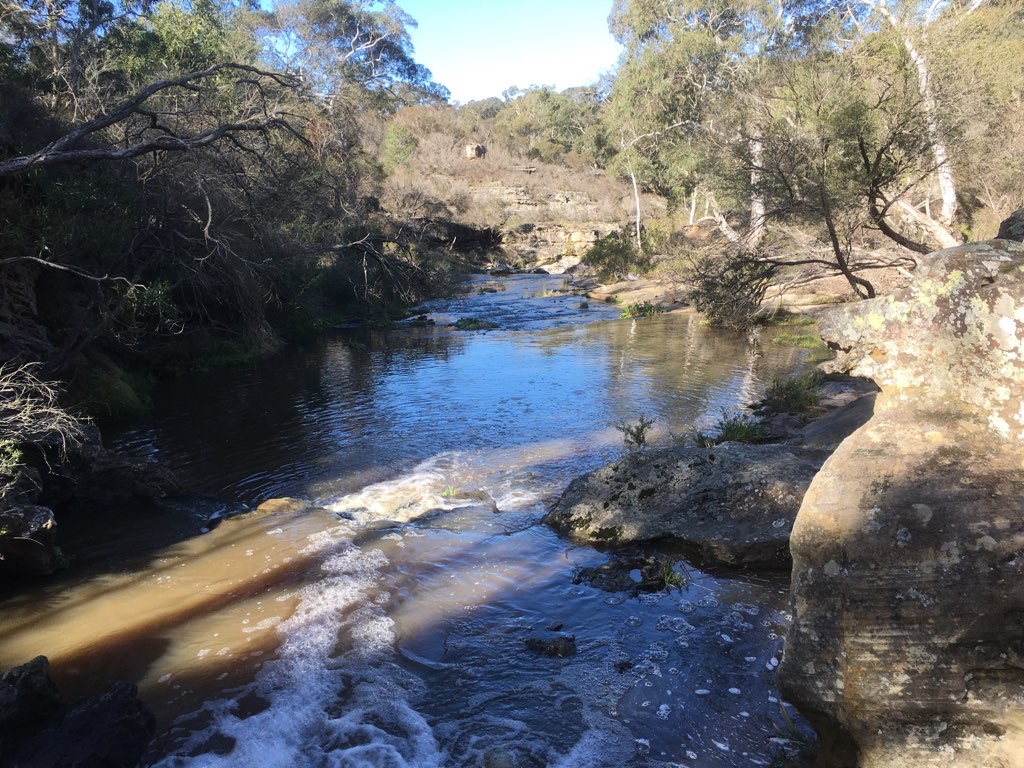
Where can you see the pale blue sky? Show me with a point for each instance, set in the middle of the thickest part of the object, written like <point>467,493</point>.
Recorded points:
<point>480,48</point>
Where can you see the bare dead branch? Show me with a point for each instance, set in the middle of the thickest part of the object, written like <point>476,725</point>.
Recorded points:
<point>63,149</point>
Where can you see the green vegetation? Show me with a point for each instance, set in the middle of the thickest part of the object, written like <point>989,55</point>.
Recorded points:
<point>180,183</point>
<point>641,309</point>
<point>783,318</point>
<point>798,394</point>
<point>800,340</point>
<point>734,427</point>
<point>474,324</point>
<point>614,256</point>
<point>674,578</point>
<point>728,288</point>
<point>449,492</point>
<point>634,436</point>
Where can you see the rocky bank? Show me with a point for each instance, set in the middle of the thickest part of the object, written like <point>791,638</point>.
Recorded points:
<point>37,728</point>
<point>906,648</point>
<point>732,503</point>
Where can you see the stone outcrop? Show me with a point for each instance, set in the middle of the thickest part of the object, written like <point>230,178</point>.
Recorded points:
<point>555,248</point>
<point>1013,227</point>
<point>111,730</point>
<point>732,503</point>
<point>954,334</point>
<point>908,550</point>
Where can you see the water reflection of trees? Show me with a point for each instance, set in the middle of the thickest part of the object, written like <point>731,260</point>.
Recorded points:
<point>372,399</point>
<point>674,368</point>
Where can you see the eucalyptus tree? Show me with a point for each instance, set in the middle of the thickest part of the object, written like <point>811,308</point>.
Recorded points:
<point>208,172</point>
<point>689,78</point>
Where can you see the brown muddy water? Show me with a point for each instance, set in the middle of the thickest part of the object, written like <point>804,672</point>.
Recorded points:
<point>385,621</point>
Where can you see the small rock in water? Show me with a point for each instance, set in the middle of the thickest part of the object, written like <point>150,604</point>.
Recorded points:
<point>561,646</point>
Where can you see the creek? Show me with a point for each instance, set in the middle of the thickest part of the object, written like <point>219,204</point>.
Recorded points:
<point>384,620</point>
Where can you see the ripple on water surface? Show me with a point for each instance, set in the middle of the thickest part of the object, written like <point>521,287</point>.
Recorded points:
<point>388,624</point>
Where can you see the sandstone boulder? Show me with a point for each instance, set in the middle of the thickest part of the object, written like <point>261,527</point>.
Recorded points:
<point>953,335</point>
<point>733,503</point>
<point>908,549</point>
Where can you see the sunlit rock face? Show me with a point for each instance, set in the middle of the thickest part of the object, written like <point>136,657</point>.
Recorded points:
<point>955,334</point>
<point>733,504</point>
<point>907,647</point>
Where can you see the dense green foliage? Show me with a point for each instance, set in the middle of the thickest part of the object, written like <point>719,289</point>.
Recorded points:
<point>793,395</point>
<point>176,177</point>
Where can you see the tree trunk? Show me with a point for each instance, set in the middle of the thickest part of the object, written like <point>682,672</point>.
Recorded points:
<point>860,286</point>
<point>943,167</point>
<point>757,208</point>
<point>636,199</point>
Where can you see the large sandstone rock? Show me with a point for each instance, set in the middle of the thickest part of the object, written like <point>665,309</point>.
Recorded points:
<point>908,550</point>
<point>733,503</point>
<point>953,335</point>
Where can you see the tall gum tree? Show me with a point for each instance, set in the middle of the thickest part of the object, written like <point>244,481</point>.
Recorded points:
<point>689,74</point>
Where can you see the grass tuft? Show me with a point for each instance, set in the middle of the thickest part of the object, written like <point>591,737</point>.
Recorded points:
<point>734,427</point>
<point>798,394</point>
<point>641,309</point>
<point>634,436</point>
<point>800,340</point>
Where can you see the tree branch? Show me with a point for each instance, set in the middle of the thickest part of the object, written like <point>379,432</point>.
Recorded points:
<point>62,151</point>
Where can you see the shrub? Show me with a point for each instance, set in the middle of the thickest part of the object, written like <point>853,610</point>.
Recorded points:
<point>30,416</point>
<point>733,427</point>
<point>634,436</point>
<point>728,289</point>
<point>614,256</point>
<point>797,394</point>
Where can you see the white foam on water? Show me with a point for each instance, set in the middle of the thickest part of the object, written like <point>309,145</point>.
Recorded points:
<point>598,748</point>
<point>408,497</point>
<point>325,710</point>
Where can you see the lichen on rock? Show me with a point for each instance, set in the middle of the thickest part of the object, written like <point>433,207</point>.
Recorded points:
<point>908,549</point>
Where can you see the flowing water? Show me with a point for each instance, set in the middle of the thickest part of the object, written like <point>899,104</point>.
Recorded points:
<point>385,619</point>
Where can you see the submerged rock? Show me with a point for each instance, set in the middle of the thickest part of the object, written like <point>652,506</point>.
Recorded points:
<point>558,646</point>
<point>626,573</point>
<point>908,550</point>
